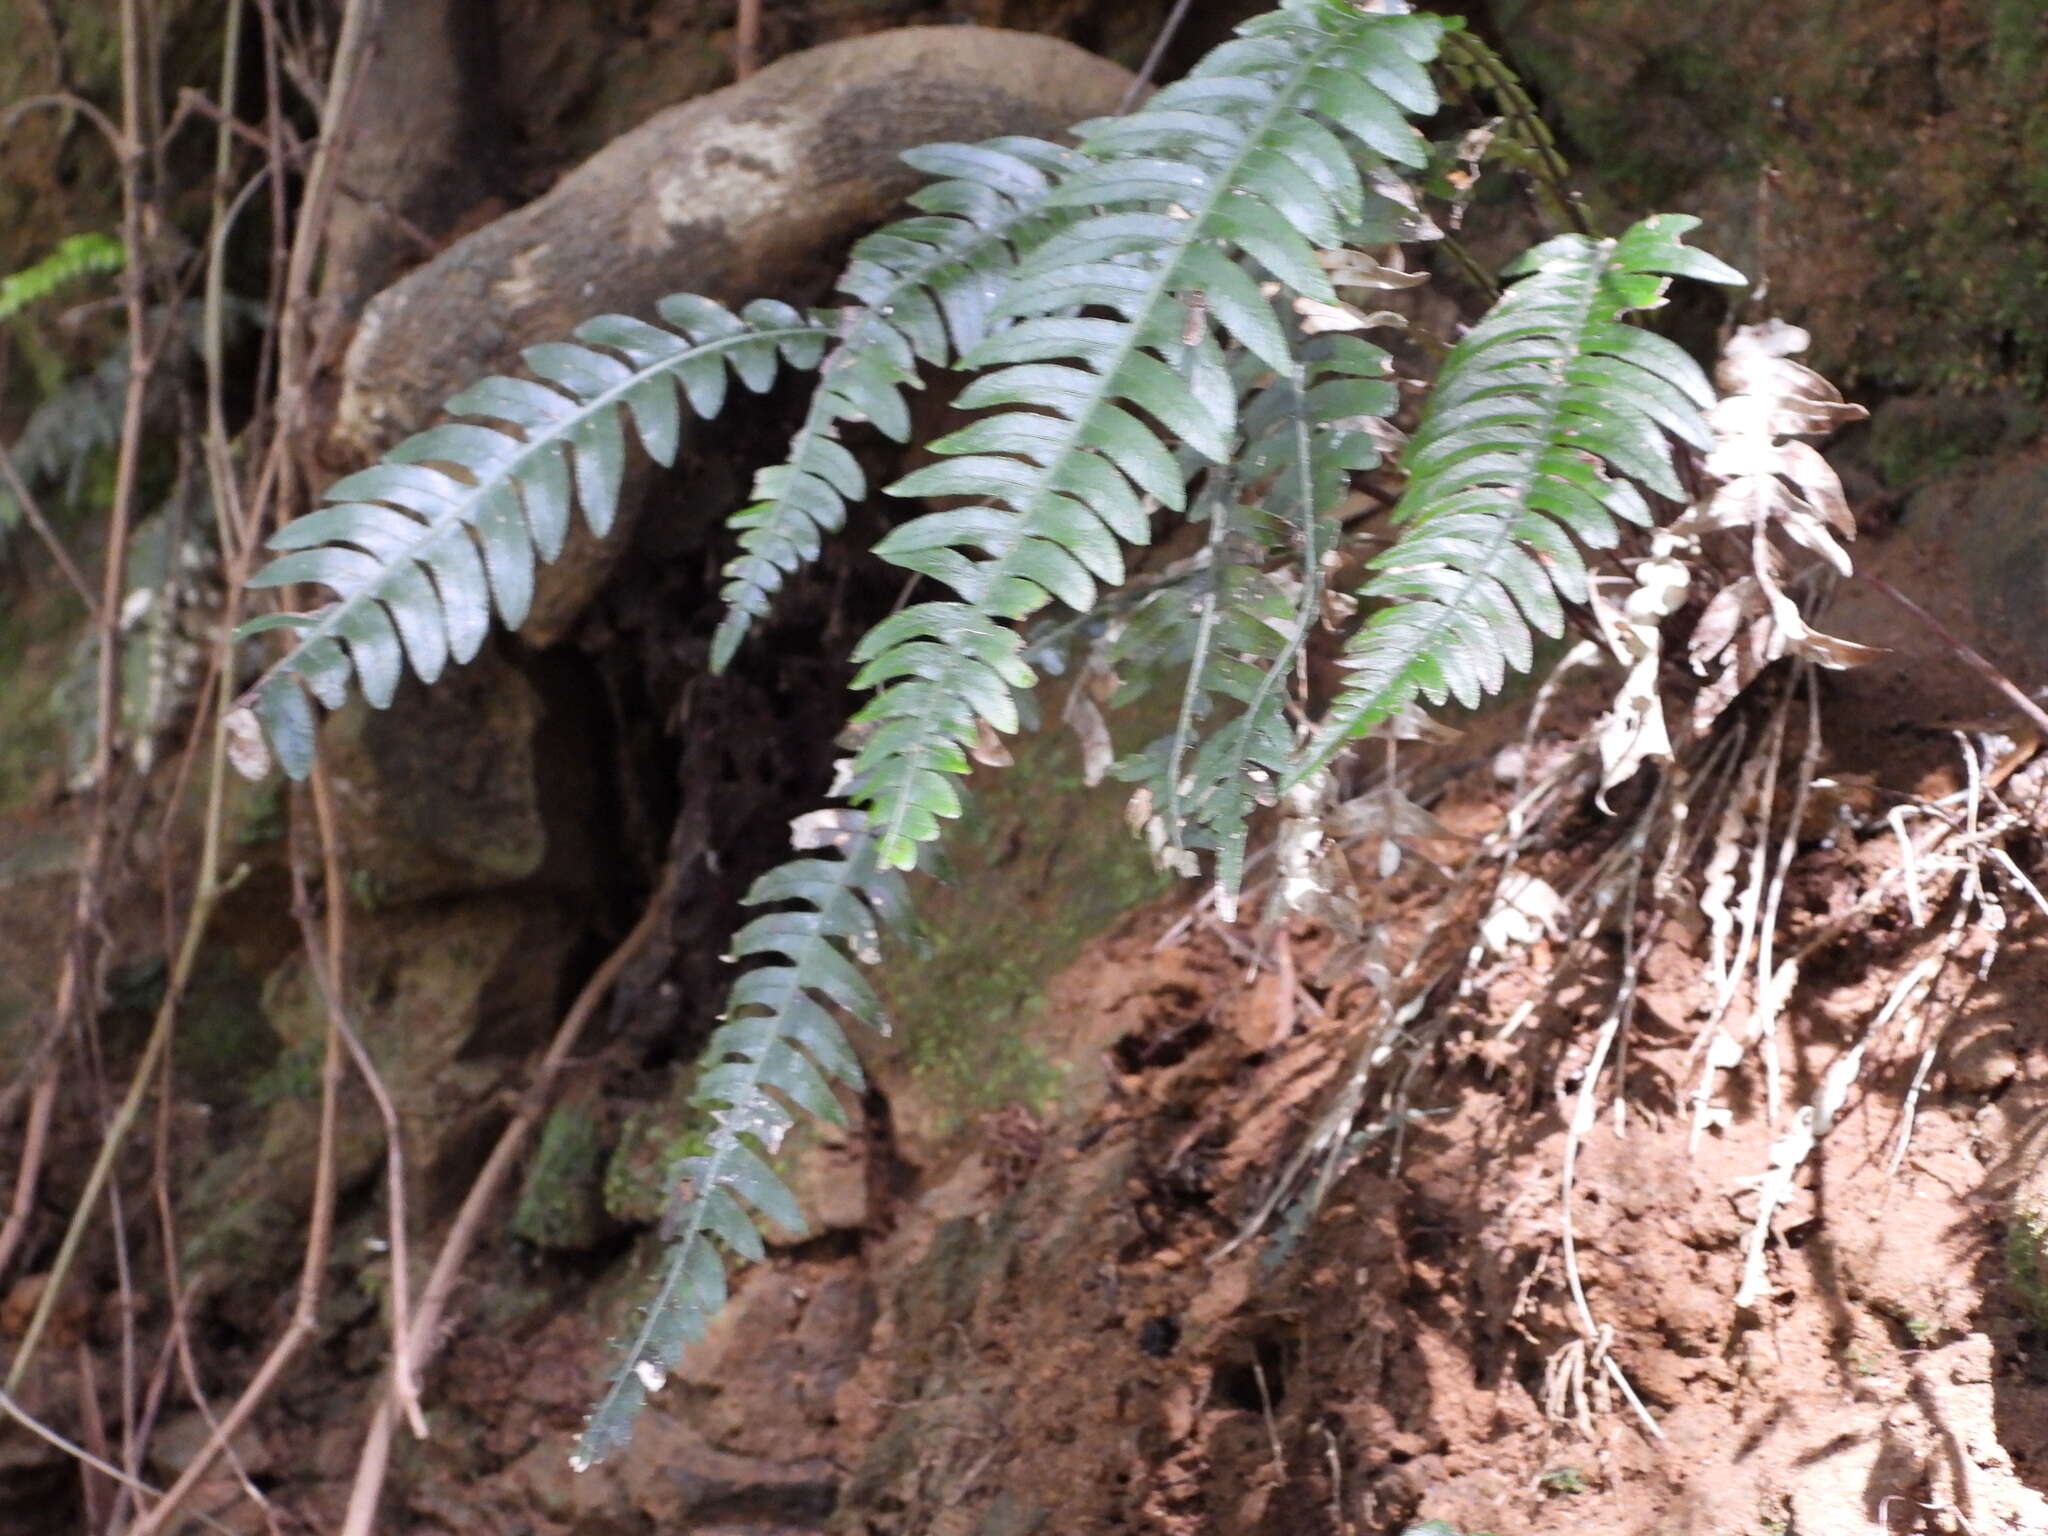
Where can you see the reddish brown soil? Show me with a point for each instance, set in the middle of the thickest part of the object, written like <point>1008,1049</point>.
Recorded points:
<point>1040,1337</point>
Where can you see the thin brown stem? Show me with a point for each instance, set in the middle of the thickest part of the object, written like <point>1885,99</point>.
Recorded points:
<point>35,1426</point>
<point>77,983</point>
<point>1970,656</point>
<point>375,1459</point>
<point>331,988</point>
<point>67,101</point>
<point>358,23</point>
<point>746,48</point>
<point>305,1318</point>
<point>32,511</point>
<point>1147,71</point>
<point>41,1106</point>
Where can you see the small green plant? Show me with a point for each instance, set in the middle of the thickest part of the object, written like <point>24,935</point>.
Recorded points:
<point>1563,1482</point>
<point>2026,1262</point>
<point>76,257</point>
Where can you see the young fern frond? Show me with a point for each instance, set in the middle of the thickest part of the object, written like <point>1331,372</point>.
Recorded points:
<point>925,286</point>
<point>422,547</point>
<point>779,1050</point>
<point>1250,620</point>
<point>1543,420</point>
<point>1247,155</point>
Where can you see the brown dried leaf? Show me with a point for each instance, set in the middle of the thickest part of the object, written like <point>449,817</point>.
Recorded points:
<point>248,753</point>
<point>1318,317</point>
<point>1092,732</point>
<point>988,748</point>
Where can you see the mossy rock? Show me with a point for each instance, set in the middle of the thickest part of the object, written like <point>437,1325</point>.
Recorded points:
<point>441,794</point>
<point>1039,866</point>
<point>1885,166</point>
<point>561,1204</point>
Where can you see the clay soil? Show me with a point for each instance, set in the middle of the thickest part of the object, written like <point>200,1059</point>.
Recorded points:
<point>1039,1336</point>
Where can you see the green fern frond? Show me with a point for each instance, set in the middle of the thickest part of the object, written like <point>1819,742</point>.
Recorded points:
<point>1248,155</point>
<point>63,435</point>
<point>925,287</point>
<point>779,1050</point>
<point>422,547</point>
<point>1260,598</point>
<point>1545,418</point>
<point>76,257</point>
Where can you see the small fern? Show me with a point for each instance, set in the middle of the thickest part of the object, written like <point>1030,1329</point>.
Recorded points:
<point>421,547</point>
<point>1535,411</point>
<point>1245,624</point>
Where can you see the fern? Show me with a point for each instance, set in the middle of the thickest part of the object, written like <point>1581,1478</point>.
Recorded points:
<point>421,547</point>
<point>924,285</point>
<point>64,434</point>
<point>780,1042</point>
<point>76,257</point>
<point>1130,312</point>
<point>1064,471</point>
<point>1545,416</point>
<point>79,423</point>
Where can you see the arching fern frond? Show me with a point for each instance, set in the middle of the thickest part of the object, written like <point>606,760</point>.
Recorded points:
<point>925,287</point>
<point>1543,421</point>
<point>779,1050</point>
<point>1248,155</point>
<point>422,547</point>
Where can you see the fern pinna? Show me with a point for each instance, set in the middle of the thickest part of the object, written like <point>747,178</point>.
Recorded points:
<point>1146,320</point>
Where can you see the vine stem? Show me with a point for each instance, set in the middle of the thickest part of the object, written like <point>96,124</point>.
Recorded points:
<point>1143,78</point>
<point>746,48</point>
<point>42,1102</point>
<point>32,512</point>
<point>1970,656</point>
<point>305,1318</point>
<point>76,983</point>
